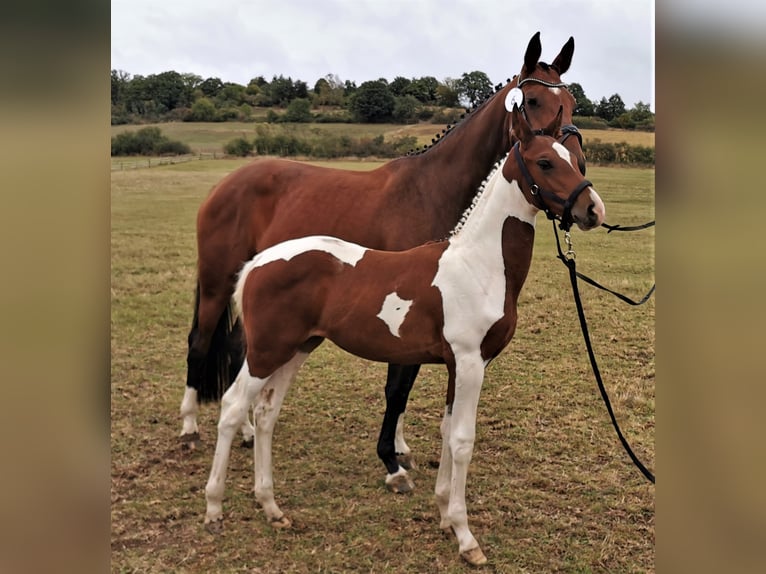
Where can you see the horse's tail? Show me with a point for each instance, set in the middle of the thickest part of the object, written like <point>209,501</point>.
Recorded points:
<point>218,369</point>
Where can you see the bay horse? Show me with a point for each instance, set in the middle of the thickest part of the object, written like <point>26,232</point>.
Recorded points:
<point>451,301</point>
<point>403,203</point>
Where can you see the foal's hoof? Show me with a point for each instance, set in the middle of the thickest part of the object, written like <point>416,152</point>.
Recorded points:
<point>400,483</point>
<point>406,461</point>
<point>474,556</point>
<point>214,526</point>
<point>189,441</point>
<point>247,442</point>
<point>280,523</point>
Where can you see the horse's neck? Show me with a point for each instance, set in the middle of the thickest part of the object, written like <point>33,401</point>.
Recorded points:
<point>481,236</point>
<point>450,172</point>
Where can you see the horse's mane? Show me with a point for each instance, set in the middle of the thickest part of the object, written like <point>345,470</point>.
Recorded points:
<point>439,137</point>
<point>451,127</point>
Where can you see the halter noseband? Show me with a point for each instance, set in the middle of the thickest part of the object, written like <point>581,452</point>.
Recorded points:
<point>540,195</point>
<point>567,129</point>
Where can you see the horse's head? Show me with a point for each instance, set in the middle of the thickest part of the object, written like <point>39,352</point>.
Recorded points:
<point>547,175</point>
<point>539,93</point>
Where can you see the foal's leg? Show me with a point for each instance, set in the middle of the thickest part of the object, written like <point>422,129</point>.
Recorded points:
<point>234,408</point>
<point>265,414</point>
<point>460,429</point>
<point>392,449</point>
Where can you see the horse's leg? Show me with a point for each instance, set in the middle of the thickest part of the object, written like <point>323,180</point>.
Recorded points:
<point>265,414</point>
<point>392,449</point>
<point>461,427</point>
<point>202,376</point>
<point>235,405</point>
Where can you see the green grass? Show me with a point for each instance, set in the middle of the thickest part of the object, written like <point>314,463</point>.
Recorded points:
<point>549,488</point>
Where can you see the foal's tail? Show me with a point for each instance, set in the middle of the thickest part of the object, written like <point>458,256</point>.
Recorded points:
<point>218,369</point>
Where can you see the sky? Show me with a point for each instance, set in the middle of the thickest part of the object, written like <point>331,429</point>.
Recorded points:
<point>361,40</point>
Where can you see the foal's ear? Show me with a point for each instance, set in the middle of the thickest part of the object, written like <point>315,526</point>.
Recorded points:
<point>564,59</point>
<point>532,55</point>
<point>554,127</point>
<point>520,127</point>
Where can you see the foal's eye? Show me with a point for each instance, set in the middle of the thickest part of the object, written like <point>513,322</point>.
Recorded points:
<point>544,164</point>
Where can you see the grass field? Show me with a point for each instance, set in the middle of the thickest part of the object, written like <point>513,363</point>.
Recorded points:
<point>549,487</point>
<point>211,137</point>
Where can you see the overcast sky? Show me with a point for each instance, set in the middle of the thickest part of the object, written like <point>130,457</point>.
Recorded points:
<point>360,40</point>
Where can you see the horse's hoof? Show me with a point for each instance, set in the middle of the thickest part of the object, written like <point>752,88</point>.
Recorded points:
<point>280,523</point>
<point>406,461</point>
<point>189,441</point>
<point>214,526</point>
<point>474,556</point>
<point>247,442</point>
<point>400,484</point>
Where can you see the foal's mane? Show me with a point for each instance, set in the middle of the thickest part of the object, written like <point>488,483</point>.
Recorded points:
<point>477,197</point>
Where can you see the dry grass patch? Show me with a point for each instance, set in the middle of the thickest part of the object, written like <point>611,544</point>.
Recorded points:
<point>550,489</point>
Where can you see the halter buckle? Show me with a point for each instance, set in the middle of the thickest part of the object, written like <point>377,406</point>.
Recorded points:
<point>534,189</point>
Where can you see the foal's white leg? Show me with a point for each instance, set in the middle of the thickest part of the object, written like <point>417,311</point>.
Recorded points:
<point>189,409</point>
<point>265,414</point>
<point>444,477</point>
<point>461,427</point>
<point>248,431</point>
<point>234,408</point>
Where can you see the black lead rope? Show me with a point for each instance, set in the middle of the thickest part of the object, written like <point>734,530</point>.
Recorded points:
<point>570,263</point>
<point>619,227</point>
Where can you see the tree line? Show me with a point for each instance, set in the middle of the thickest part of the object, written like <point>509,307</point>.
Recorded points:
<point>173,96</point>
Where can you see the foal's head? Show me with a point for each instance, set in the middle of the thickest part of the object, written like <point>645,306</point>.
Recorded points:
<point>548,175</point>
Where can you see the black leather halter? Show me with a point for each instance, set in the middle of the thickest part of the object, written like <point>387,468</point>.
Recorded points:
<point>541,197</point>
<point>567,129</point>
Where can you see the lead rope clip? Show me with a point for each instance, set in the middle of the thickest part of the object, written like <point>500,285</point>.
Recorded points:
<point>570,254</point>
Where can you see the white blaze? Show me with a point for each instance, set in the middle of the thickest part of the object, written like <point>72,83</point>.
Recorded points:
<point>393,312</point>
<point>563,153</point>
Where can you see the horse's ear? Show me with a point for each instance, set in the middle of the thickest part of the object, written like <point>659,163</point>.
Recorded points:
<point>520,126</point>
<point>532,55</point>
<point>554,127</point>
<point>564,59</point>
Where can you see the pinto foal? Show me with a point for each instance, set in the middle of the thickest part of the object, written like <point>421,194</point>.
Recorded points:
<point>451,302</point>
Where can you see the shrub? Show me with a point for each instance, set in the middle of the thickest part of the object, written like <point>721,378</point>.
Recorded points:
<point>147,141</point>
<point>241,147</point>
<point>299,110</point>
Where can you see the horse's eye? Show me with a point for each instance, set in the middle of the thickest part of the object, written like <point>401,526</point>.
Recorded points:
<point>532,102</point>
<point>544,164</point>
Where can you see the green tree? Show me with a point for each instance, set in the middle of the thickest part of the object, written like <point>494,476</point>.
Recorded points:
<point>583,106</point>
<point>399,86</point>
<point>447,95</point>
<point>299,110</point>
<point>120,81</point>
<point>372,102</point>
<point>202,110</point>
<point>167,90</point>
<point>611,108</point>
<point>211,86</point>
<point>424,89</point>
<point>474,87</point>
<point>406,109</point>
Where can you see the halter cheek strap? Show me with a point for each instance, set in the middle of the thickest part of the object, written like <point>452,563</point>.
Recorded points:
<point>540,196</point>
<point>567,129</point>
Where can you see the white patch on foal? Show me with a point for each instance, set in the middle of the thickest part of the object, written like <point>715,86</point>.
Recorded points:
<point>393,312</point>
<point>348,253</point>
